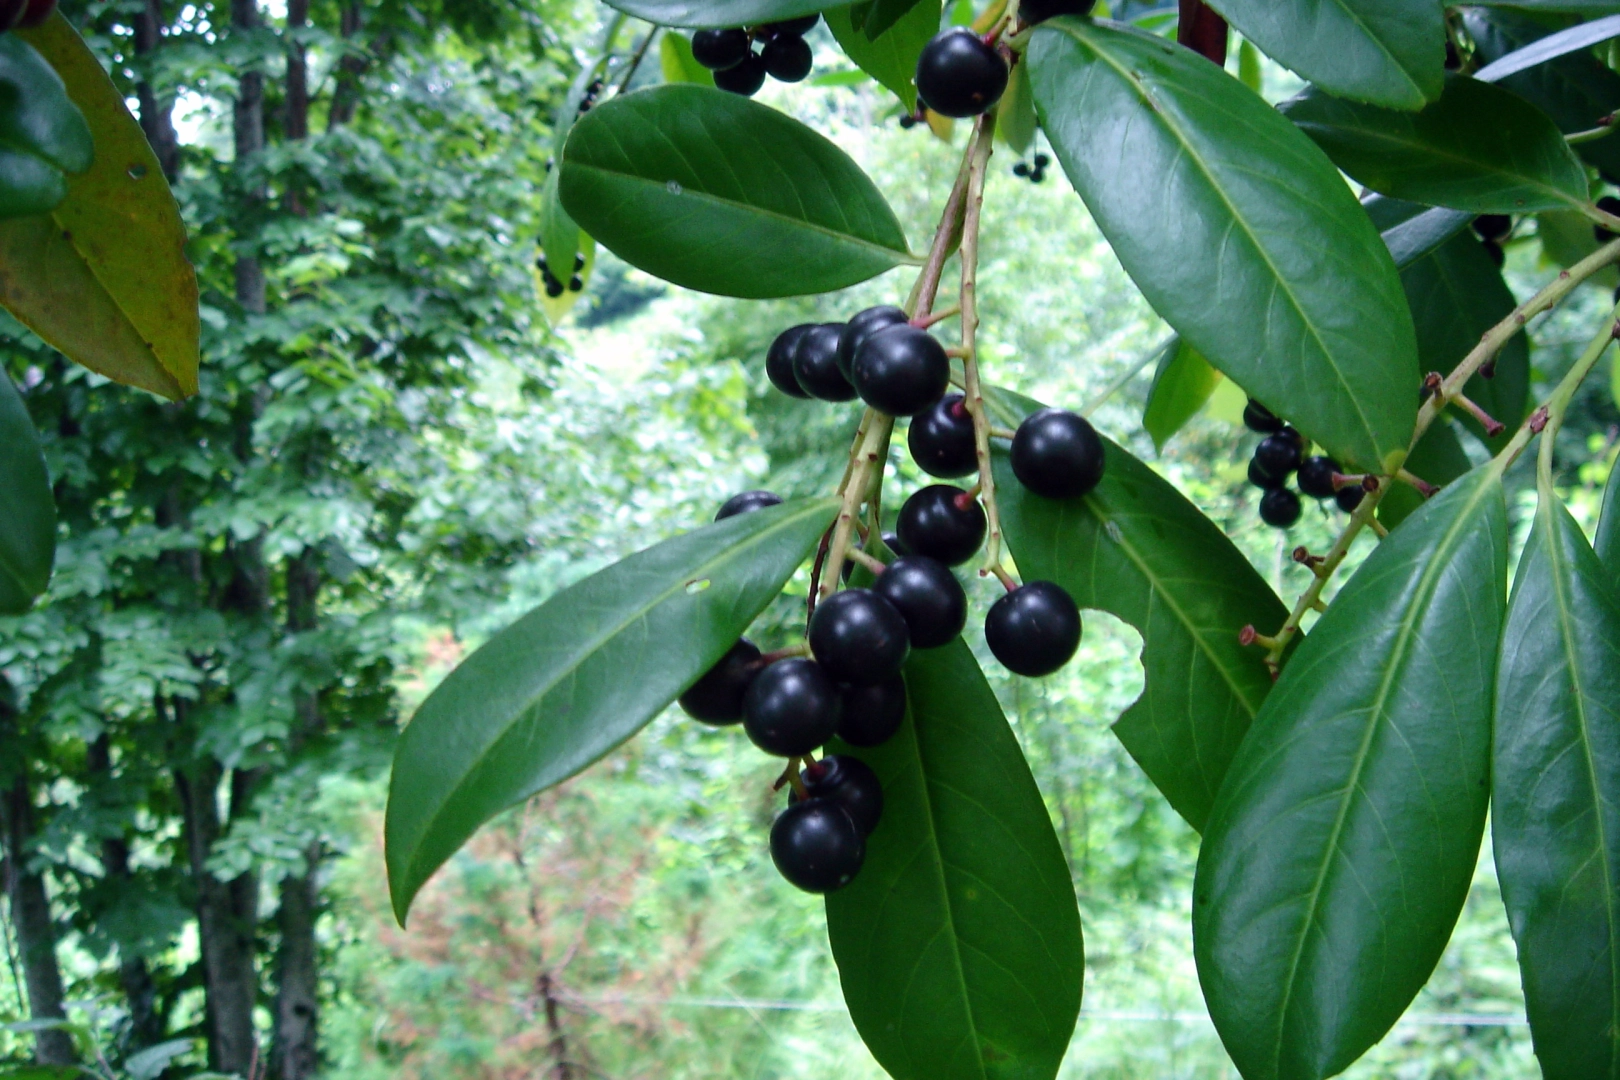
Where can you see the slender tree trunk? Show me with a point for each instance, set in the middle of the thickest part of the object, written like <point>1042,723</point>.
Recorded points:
<point>249,129</point>
<point>296,124</point>
<point>156,119</point>
<point>561,1067</point>
<point>36,935</point>
<point>140,993</point>
<point>347,94</point>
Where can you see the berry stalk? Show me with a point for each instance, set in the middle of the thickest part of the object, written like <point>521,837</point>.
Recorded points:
<point>1546,420</point>
<point>973,390</point>
<point>866,469</point>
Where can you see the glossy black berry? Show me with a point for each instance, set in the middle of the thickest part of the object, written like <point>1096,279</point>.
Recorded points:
<point>1036,11</point>
<point>791,708</point>
<point>554,288</point>
<point>815,363</point>
<point>1058,454</point>
<point>719,50</point>
<point>858,637</point>
<point>892,542</point>
<point>576,284</point>
<point>942,522</point>
<point>862,325</point>
<point>850,783</point>
<point>746,502</point>
<point>1493,226</point>
<point>816,846</point>
<point>786,58</point>
<point>790,27</point>
<point>872,714</point>
<point>1277,455</point>
<point>959,75</point>
<point>908,121</point>
<point>1256,417</point>
<point>941,439</point>
<point>717,697</point>
<point>928,596</point>
<point>901,370</point>
<point>745,79</point>
<point>779,361</point>
<point>1262,479</point>
<point>1349,498</point>
<point>1609,205</point>
<point>1279,507</point>
<point>1316,476</point>
<point>1021,169</point>
<point>1034,629</point>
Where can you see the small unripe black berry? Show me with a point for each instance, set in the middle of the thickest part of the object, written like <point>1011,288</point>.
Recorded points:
<point>959,75</point>
<point>1316,476</point>
<point>1258,418</point>
<point>1058,454</point>
<point>717,697</point>
<point>779,361</point>
<point>942,522</point>
<point>815,363</point>
<point>1279,507</point>
<point>1034,629</point>
<point>862,325</point>
<point>787,58</point>
<point>872,714</point>
<point>719,50</point>
<point>858,637</point>
<point>1037,11</point>
<point>791,708</point>
<point>791,27</point>
<point>1262,479</point>
<point>1277,455</point>
<point>1493,226</point>
<point>746,502</point>
<point>816,846</point>
<point>901,370</point>
<point>928,596</point>
<point>1349,498</point>
<point>850,783</point>
<point>745,78</point>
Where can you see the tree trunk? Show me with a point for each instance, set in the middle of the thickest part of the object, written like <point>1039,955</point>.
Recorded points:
<point>296,123</point>
<point>347,94</point>
<point>249,129</point>
<point>36,935</point>
<point>156,119</point>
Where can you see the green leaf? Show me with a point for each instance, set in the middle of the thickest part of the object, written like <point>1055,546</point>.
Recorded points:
<point>42,134</point>
<point>1237,229</point>
<point>1181,384</point>
<point>716,14</point>
<point>150,1063</point>
<point>1342,844</point>
<point>1576,38</point>
<point>958,944</point>
<point>718,193</point>
<point>1438,458</point>
<point>577,676</point>
<point>891,57</point>
<point>45,1072</point>
<point>1555,795</point>
<point>678,64</point>
<point>881,15</point>
<point>1479,148</point>
<point>559,236</point>
<point>1249,65</point>
<point>1137,548</point>
<point>1389,52</point>
<point>1575,7</point>
<point>1015,116</point>
<point>1411,231</point>
<point>104,278</point>
<point>27,507</point>
<point>1608,530</point>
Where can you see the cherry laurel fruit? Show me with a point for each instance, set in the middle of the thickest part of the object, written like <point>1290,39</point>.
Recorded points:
<point>858,637</point>
<point>850,783</point>
<point>941,439</point>
<point>1058,454</point>
<point>1258,418</point>
<point>745,78</point>
<point>786,58</point>
<point>779,361</point>
<point>928,597</point>
<point>901,370</point>
<point>719,50</point>
<point>942,522</point>
<point>717,697</point>
<point>959,75</point>
<point>816,846</point>
<point>747,502</point>
<point>862,325</point>
<point>1034,629</point>
<point>872,714</point>
<point>815,363</point>
<point>1279,507</point>
<point>791,708</point>
<point>1316,476</point>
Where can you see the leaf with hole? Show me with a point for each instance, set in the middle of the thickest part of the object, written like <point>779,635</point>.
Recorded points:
<point>577,676</point>
<point>1343,841</point>
<point>1480,148</point>
<point>27,507</point>
<point>718,193</point>
<point>1182,384</point>
<point>1237,229</point>
<point>43,136</point>
<point>1555,795</point>
<point>958,944</point>
<point>891,57</point>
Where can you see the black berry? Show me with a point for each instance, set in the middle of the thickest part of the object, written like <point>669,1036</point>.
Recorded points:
<point>928,596</point>
<point>892,542</point>
<point>1279,507</point>
<point>1035,11</point>
<point>1316,476</point>
<point>942,522</point>
<point>816,846</point>
<point>717,697</point>
<point>779,361</point>
<point>872,714</point>
<point>959,75</point>
<point>1493,226</point>
<point>901,370</point>
<point>941,439</point>
<point>786,58</point>
<point>791,708</point>
<point>1277,455</point>
<point>1262,479</point>
<point>1058,454</point>
<point>1034,629</point>
<point>850,783</point>
<point>790,27</point>
<point>576,283</point>
<point>1349,498</point>
<point>1021,169</point>
<point>745,79</point>
<point>746,503</point>
<point>858,637</point>
<point>1258,418</point>
<point>1609,205</point>
<point>720,50</point>
<point>815,363</point>
<point>862,326</point>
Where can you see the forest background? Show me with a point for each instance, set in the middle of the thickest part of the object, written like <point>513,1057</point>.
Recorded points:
<point>392,456</point>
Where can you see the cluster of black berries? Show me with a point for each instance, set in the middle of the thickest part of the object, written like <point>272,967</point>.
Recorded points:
<point>1492,230</point>
<point>591,93</point>
<point>878,356</point>
<point>960,74</point>
<point>1282,453</point>
<point>1033,173</point>
<point>784,55</point>
<point>553,284</point>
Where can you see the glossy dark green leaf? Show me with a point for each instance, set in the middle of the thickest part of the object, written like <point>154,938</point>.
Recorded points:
<point>1015,115</point>
<point>1137,548</point>
<point>958,944</point>
<point>1341,846</point>
<point>1438,458</point>
<point>1236,228</point>
<point>559,236</point>
<point>890,58</point>
<point>881,15</point>
<point>716,13</point>
<point>1479,148</point>
<point>1391,52</point>
<point>1574,7</point>
<point>42,133</point>
<point>1411,238</point>
<point>715,192</point>
<point>1555,795</point>
<point>577,676</point>
<point>1181,384</point>
<point>1607,542</point>
<point>27,507</point>
<point>1570,39</point>
<point>677,62</point>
